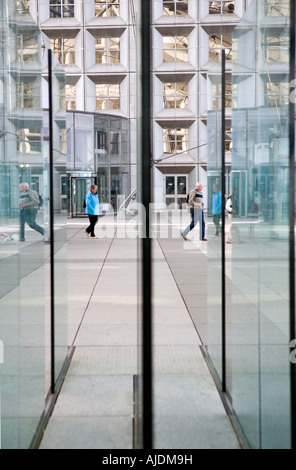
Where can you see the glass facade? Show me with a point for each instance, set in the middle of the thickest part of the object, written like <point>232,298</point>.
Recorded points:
<point>249,301</point>
<point>260,206</point>
<point>26,314</point>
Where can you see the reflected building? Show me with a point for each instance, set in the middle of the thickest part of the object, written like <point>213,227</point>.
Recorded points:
<point>249,346</point>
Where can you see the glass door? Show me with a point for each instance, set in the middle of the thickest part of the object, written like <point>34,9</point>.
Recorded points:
<point>79,189</point>
<point>175,190</point>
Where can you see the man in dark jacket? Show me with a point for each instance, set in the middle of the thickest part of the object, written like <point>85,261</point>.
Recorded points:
<point>29,204</point>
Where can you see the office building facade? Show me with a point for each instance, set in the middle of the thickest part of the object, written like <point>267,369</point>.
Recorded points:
<point>248,324</point>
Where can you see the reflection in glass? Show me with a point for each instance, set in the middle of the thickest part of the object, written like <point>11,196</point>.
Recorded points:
<point>108,96</point>
<point>175,140</point>
<point>221,7</point>
<point>61,8</point>
<point>175,95</point>
<point>260,265</point>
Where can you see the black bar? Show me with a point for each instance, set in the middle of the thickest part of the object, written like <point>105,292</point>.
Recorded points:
<point>223,313</point>
<point>146,245</point>
<point>51,223</point>
<point>292,218</point>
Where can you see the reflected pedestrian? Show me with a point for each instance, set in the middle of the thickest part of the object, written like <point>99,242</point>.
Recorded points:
<point>29,205</point>
<point>195,201</point>
<point>92,210</point>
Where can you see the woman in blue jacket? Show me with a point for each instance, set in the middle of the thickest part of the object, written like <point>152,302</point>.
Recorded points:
<point>92,210</point>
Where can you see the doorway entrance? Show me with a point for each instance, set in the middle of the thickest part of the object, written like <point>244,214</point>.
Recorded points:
<point>175,190</point>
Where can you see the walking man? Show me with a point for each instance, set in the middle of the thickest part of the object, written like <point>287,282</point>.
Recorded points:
<point>29,205</point>
<point>196,211</point>
<point>92,210</point>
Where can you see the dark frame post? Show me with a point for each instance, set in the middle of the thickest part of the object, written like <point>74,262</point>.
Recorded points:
<point>146,242</point>
<point>292,216</point>
<point>51,223</point>
<point>223,313</point>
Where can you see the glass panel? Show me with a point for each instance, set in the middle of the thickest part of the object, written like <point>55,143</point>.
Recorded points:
<point>170,185</point>
<point>213,340</point>
<point>61,8</point>
<point>106,8</point>
<point>22,252</point>
<point>260,265</point>
<point>176,7</point>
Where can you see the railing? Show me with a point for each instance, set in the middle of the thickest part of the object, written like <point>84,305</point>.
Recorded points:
<point>129,200</point>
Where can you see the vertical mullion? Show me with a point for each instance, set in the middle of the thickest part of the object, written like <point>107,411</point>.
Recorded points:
<point>223,316</point>
<point>292,218</point>
<point>146,244</point>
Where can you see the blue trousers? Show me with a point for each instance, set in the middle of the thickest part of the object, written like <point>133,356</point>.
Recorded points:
<point>29,217</point>
<point>197,215</point>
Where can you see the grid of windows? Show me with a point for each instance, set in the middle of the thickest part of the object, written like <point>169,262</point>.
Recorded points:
<point>175,48</point>
<point>176,7</point>
<point>221,7</point>
<point>64,49</point>
<point>106,8</point>
<point>175,95</point>
<point>175,140</point>
<point>107,51</point>
<point>107,96</point>
<point>61,8</point>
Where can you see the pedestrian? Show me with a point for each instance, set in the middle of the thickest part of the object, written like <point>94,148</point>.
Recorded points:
<point>217,208</point>
<point>29,205</point>
<point>92,210</point>
<point>195,201</point>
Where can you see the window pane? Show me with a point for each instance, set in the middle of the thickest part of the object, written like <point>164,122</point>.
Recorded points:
<point>106,8</point>
<point>176,7</point>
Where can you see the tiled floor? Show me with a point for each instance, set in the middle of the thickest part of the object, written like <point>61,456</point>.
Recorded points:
<point>95,408</point>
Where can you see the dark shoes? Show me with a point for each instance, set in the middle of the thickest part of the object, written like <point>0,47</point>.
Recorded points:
<point>204,240</point>
<point>185,238</point>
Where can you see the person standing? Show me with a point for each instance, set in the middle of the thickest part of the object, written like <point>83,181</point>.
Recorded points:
<point>92,210</point>
<point>195,201</point>
<point>29,205</point>
<point>217,208</point>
